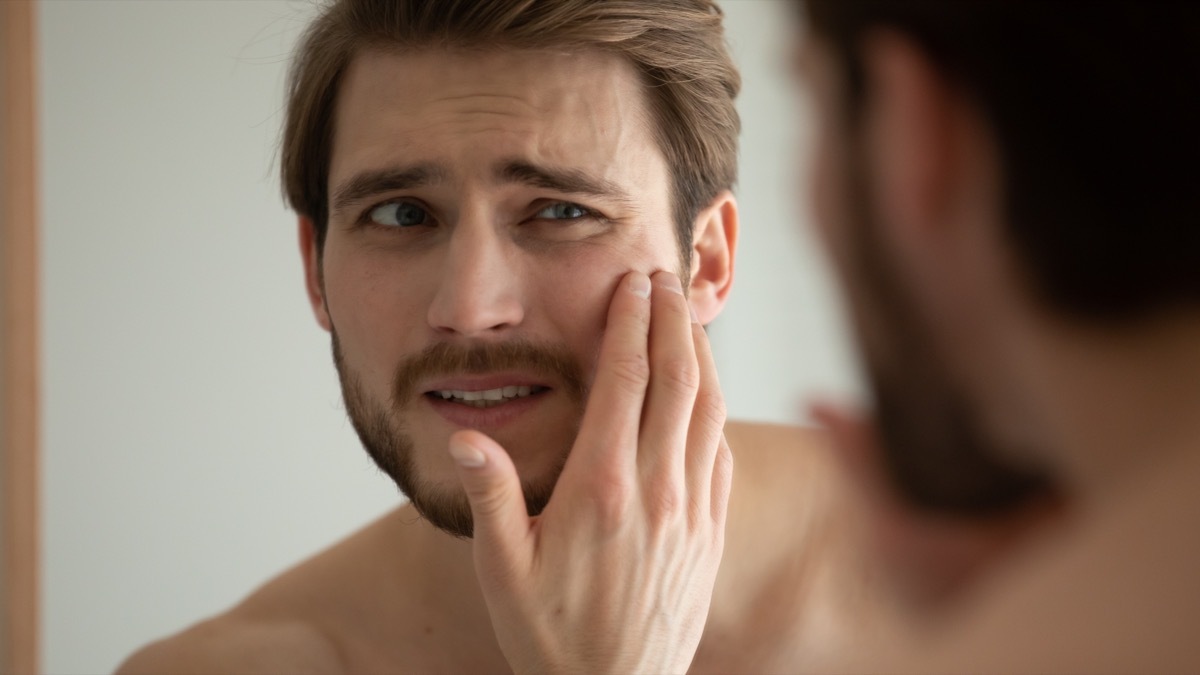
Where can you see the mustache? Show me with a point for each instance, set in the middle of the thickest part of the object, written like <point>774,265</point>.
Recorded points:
<point>553,362</point>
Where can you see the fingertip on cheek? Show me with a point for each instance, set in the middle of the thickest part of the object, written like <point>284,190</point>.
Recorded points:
<point>640,285</point>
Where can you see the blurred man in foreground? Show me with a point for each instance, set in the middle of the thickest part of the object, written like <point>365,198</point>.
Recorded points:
<point>1011,193</point>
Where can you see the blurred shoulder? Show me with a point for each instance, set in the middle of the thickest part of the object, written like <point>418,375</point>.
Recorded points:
<point>233,643</point>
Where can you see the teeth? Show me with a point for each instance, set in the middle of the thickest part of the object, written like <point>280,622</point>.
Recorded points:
<point>487,397</point>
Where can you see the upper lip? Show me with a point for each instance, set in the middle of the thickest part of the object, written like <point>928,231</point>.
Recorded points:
<point>483,382</point>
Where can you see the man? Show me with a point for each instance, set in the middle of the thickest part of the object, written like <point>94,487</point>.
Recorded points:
<point>486,190</point>
<point>1009,190</point>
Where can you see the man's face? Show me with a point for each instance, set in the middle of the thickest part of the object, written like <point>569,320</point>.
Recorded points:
<point>483,207</point>
<point>936,448</point>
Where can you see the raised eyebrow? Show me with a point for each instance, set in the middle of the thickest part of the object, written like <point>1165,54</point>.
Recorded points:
<point>377,181</point>
<point>571,181</point>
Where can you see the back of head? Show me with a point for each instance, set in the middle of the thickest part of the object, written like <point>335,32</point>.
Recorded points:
<point>1095,109</point>
<point>677,46</point>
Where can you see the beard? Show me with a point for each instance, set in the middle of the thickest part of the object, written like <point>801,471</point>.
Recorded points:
<point>381,430</point>
<point>936,450</point>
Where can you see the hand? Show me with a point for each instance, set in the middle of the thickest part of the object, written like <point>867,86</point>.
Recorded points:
<point>616,574</point>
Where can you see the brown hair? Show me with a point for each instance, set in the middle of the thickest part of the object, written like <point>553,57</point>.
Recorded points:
<point>677,46</point>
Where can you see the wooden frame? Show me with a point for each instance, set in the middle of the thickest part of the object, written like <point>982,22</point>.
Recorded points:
<point>19,352</point>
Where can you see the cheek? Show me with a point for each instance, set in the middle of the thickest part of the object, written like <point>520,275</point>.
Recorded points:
<point>575,291</point>
<point>575,294</point>
<point>372,303</point>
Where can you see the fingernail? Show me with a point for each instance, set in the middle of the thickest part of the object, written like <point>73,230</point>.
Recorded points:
<point>640,285</point>
<point>692,310</point>
<point>466,455</point>
<point>671,283</point>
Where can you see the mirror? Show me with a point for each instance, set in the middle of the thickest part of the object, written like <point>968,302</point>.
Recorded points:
<point>194,439</point>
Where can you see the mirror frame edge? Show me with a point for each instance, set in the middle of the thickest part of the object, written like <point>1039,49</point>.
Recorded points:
<point>20,355</point>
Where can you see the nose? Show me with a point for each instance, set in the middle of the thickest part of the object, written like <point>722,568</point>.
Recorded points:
<point>478,292</point>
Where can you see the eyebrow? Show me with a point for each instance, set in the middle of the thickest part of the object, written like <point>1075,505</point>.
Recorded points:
<point>559,179</point>
<point>571,181</point>
<point>370,183</point>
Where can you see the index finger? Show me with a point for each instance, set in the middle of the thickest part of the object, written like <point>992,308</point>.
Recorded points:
<point>608,433</point>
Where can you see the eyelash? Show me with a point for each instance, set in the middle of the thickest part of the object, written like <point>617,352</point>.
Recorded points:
<point>587,211</point>
<point>366,220</point>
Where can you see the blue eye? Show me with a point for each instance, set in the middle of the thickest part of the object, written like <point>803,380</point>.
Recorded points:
<point>398,214</point>
<point>563,211</point>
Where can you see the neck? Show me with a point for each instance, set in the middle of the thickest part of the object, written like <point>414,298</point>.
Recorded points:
<point>439,571</point>
<point>1118,403</point>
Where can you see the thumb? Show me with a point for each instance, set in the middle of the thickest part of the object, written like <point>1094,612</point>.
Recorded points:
<point>493,489</point>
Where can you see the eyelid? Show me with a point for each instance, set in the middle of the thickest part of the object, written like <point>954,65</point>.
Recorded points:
<point>589,212</point>
<point>365,216</point>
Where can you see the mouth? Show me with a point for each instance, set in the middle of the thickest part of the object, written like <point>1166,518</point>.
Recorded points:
<point>488,402</point>
<point>486,398</point>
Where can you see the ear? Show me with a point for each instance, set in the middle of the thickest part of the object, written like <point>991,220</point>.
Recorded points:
<point>911,144</point>
<point>314,283</point>
<point>714,241</point>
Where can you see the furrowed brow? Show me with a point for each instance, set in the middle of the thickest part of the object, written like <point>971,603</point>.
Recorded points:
<point>369,183</point>
<point>570,181</point>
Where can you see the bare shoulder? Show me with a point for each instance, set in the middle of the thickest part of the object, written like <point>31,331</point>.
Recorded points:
<point>230,643</point>
<point>784,464</point>
<point>790,568</point>
<point>306,620</point>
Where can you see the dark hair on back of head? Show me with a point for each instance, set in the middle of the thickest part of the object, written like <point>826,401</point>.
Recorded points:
<point>1095,107</point>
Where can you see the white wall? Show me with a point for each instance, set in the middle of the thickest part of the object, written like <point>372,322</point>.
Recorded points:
<point>781,340</point>
<point>194,439</point>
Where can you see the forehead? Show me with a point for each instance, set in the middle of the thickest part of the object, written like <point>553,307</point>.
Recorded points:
<point>466,110</point>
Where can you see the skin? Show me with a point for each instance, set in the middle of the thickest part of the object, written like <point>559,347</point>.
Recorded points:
<point>646,498</point>
<point>1105,581</point>
<point>490,270</point>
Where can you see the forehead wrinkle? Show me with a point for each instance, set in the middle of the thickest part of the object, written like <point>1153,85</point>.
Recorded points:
<point>600,123</point>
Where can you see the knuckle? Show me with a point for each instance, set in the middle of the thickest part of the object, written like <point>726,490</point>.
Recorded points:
<point>722,483</point>
<point>632,370</point>
<point>611,496</point>
<point>710,408</point>
<point>724,462</point>
<point>489,499</point>
<point>665,504</point>
<point>680,374</point>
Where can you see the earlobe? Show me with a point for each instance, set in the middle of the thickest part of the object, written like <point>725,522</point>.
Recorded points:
<point>714,243</point>
<point>314,283</point>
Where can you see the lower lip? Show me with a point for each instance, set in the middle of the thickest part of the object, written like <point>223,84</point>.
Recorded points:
<point>495,417</point>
